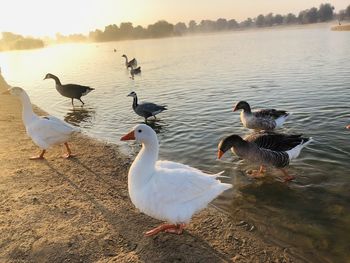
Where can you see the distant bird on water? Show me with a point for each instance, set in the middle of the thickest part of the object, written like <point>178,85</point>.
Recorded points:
<point>45,131</point>
<point>265,149</point>
<point>131,63</point>
<point>145,109</point>
<point>264,119</point>
<point>73,91</point>
<point>348,127</point>
<point>135,71</point>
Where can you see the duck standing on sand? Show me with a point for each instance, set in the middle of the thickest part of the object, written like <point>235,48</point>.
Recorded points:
<point>73,91</point>
<point>265,149</point>
<point>131,63</point>
<point>166,190</point>
<point>145,109</point>
<point>45,131</point>
<point>264,119</point>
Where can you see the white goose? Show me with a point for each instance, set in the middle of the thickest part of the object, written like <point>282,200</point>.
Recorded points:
<point>166,190</point>
<point>45,131</point>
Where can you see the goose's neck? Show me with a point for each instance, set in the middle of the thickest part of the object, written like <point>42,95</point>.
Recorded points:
<point>134,103</point>
<point>126,59</point>
<point>247,109</point>
<point>57,80</point>
<point>27,109</point>
<point>143,167</point>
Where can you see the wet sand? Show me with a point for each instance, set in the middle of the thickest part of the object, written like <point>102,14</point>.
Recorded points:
<point>78,210</point>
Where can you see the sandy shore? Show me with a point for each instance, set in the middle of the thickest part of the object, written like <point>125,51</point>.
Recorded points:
<point>78,210</point>
<point>341,28</point>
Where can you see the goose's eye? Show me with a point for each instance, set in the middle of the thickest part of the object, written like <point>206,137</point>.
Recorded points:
<point>139,131</point>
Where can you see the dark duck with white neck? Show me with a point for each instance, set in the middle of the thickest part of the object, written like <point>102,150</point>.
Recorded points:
<point>145,109</point>
<point>265,149</point>
<point>73,91</point>
<point>264,119</point>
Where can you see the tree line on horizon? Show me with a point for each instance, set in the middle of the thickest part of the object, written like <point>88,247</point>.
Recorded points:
<point>126,30</point>
<point>162,28</point>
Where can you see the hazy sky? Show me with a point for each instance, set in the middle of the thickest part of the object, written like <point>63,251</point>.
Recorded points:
<point>46,17</point>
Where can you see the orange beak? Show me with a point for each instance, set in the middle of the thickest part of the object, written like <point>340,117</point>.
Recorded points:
<point>128,137</point>
<point>220,154</point>
<point>348,127</point>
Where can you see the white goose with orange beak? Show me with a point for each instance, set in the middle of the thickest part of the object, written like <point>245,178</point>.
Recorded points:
<point>165,190</point>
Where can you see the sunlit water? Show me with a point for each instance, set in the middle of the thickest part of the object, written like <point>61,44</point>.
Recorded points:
<point>304,71</point>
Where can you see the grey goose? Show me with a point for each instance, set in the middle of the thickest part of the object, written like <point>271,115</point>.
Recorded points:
<point>266,149</point>
<point>264,119</point>
<point>131,63</point>
<point>135,71</point>
<point>73,91</point>
<point>145,109</point>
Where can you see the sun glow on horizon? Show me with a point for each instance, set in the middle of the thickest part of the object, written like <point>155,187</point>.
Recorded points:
<point>40,18</point>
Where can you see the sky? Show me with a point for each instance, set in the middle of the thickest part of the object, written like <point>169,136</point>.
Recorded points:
<point>46,17</point>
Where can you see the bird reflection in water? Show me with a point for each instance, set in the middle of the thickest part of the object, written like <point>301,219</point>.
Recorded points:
<point>76,116</point>
<point>157,125</point>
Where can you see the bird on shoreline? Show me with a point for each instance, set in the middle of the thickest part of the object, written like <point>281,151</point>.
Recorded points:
<point>264,119</point>
<point>73,91</point>
<point>45,131</point>
<point>165,190</point>
<point>131,63</point>
<point>145,109</point>
<point>135,71</point>
<point>265,149</point>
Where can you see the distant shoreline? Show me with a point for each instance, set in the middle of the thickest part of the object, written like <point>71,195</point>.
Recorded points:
<point>341,28</point>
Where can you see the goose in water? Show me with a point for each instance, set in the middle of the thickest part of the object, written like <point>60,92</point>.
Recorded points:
<point>131,63</point>
<point>165,190</point>
<point>265,149</point>
<point>73,91</point>
<point>135,71</point>
<point>145,109</point>
<point>264,119</point>
<point>45,131</point>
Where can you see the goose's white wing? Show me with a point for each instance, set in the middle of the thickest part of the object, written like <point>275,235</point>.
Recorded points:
<point>47,131</point>
<point>174,165</point>
<point>185,184</point>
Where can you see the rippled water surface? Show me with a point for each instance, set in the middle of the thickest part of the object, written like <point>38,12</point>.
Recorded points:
<point>304,71</point>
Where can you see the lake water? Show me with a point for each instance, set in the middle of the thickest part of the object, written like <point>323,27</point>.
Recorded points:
<point>305,71</point>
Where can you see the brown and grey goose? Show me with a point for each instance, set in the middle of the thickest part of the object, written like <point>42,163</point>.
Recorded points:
<point>131,63</point>
<point>265,149</point>
<point>73,91</point>
<point>145,109</point>
<point>264,119</point>
<point>135,71</point>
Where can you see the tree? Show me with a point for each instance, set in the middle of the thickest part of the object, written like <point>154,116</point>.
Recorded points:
<point>260,21</point>
<point>278,19</point>
<point>221,24</point>
<point>290,19</point>
<point>247,23</point>
<point>161,29</point>
<point>232,24</point>
<point>347,12</point>
<point>180,28</point>
<point>192,26</point>
<point>269,20</point>
<point>325,12</point>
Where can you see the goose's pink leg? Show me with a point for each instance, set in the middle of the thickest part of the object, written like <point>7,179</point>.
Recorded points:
<point>39,157</point>
<point>257,173</point>
<point>287,177</point>
<point>169,228</point>
<point>69,152</point>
